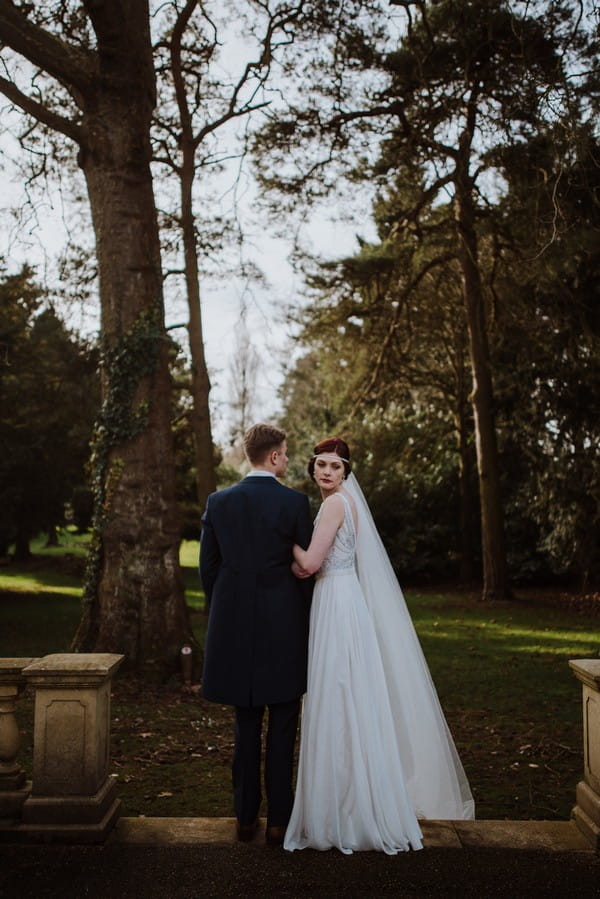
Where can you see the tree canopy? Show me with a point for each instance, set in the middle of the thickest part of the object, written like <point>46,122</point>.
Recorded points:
<point>458,102</point>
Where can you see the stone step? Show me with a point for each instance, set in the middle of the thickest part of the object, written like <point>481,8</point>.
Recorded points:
<point>554,836</point>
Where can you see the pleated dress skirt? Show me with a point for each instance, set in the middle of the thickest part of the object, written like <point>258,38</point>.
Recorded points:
<point>350,791</point>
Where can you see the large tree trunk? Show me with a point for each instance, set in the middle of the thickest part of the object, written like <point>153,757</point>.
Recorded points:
<point>135,602</point>
<point>495,583</point>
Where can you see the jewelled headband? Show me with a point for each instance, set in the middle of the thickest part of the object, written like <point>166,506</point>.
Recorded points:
<point>330,457</point>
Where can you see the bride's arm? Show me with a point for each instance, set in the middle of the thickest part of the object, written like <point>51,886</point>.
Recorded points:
<point>332,515</point>
<point>298,571</point>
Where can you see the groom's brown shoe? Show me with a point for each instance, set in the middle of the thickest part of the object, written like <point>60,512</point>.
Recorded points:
<point>275,835</point>
<point>246,832</point>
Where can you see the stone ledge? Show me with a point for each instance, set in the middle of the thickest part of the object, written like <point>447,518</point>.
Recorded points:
<point>71,809</point>
<point>70,834</point>
<point>439,835</point>
<point>554,836</point>
<point>587,827</point>
<point>12,801</point>
<point>182,831</point>
<point>587,671</point>
<point>10,671</point>
<point>72,669</point>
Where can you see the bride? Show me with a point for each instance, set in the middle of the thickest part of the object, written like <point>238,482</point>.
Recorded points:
<point>375,750</point>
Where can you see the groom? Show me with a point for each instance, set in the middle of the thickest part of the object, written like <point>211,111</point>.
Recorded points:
<point>257,637</point>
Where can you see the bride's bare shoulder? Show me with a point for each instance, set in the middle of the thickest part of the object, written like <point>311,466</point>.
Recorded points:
<point>332,500</point>
<point>332,510</point>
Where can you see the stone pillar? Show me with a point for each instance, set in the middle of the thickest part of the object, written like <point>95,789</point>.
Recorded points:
<point>587,811</point>
<point>73,797</point>
<point>14,789</point>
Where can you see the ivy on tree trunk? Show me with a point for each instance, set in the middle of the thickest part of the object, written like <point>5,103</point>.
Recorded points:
<point>134,592</point>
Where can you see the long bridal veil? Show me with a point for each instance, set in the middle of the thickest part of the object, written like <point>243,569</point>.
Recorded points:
<point>435,778</point>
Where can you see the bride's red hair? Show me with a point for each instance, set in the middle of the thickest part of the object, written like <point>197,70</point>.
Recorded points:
<point>332,445</point>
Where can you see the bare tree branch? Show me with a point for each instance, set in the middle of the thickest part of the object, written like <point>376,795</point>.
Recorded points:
<point>72,66</point>
<point>40,112</point>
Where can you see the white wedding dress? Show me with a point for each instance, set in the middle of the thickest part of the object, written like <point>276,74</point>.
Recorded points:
<point>375,750</point>
<point>350,792</point>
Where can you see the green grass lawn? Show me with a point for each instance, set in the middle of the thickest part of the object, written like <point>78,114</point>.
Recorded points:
<point>501,671</point>
<point>513,705</point>
<point>40,599</point>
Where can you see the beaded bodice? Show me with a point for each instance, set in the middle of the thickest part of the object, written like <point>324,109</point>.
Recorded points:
<point>340,557</point>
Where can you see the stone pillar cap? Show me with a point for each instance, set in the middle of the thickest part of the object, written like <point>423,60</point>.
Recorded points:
<point>587,671</point>
<point>74,667</point>
<point>11,669</point>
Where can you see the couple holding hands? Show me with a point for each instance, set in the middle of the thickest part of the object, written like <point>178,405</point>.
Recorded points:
<point>297,609</point>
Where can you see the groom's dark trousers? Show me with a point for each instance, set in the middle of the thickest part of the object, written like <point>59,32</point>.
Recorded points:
<point>279,756</point>
<point>257,635</point>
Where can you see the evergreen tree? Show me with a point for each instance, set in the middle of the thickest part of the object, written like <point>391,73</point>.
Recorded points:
<point>49,397</point>
<point>438,88</point>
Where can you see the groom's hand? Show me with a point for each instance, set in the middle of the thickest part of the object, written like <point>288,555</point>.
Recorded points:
<point>299,571</point>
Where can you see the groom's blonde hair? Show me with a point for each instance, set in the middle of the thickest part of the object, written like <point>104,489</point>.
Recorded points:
<point>260,439</point>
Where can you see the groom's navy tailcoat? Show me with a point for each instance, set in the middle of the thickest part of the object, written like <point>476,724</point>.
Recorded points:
<point>257,637</point>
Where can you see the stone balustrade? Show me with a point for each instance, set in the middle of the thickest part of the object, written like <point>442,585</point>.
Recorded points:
<point>14,788</point>
<point>586,813</point>
<point>72,797</point>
